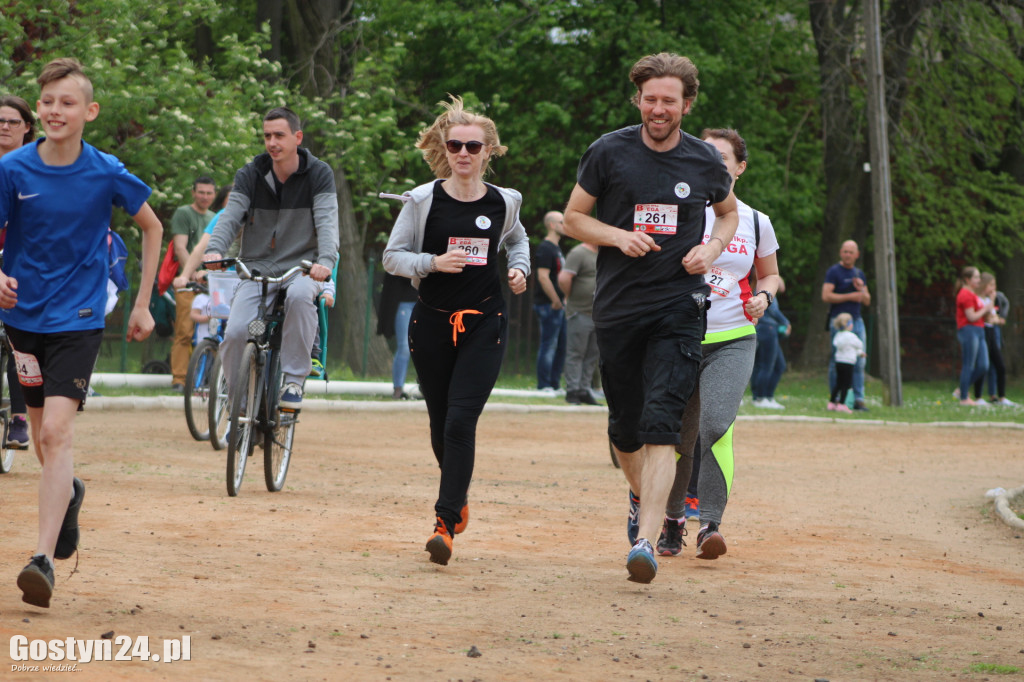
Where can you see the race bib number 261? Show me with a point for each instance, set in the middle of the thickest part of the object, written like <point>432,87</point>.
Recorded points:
<point>656,218</point>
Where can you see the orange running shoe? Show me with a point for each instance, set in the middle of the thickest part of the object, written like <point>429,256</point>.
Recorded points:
<point>464,520</point>
<point>440,544</point>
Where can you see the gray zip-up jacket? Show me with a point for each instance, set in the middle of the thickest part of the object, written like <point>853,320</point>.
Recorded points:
<point>403,255</point>
<point>300,224</point>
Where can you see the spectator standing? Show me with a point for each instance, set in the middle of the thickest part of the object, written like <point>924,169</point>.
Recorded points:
<point>577,281</point>
<point>769,360</point>
<point>17,128</point>
<point>1002,313</point>
<point>848,348</point>
<point>187,226</point>
<point>994,322</point>
<point>397,300</point>
<point>846,291</point>
<point>549,304</point>
<point>650,184</point>
<point>970,332</point>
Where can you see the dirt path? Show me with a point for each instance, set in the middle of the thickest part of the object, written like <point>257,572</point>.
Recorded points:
<point>855,553</point>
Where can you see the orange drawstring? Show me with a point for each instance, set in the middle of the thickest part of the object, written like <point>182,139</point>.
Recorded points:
<point>456,322</point>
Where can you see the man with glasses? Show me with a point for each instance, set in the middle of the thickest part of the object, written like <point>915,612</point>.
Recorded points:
<point>287,201</point>
<point>650,184</point>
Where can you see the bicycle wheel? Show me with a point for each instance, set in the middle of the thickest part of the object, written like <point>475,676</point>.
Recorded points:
<point>197,389</point>
<point>245,405</point>
<point>217,412</point>
<point>6,453</point>
<point>277,441</point>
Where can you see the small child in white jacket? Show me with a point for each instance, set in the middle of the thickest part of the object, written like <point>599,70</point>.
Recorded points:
<point>848,347</point>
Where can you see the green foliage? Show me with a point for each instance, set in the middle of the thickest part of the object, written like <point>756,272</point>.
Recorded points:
<point>166,117</point>
<point>954,205</point>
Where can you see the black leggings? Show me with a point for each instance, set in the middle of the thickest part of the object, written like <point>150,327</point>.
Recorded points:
<point>456,372</point>
<point>844,381</point>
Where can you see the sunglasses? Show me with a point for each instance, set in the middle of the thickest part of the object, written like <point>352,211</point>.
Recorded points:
<point>455,146</point>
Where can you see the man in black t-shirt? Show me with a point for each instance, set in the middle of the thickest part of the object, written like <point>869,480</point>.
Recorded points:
<point>549,304</point>
<point>650,184</point>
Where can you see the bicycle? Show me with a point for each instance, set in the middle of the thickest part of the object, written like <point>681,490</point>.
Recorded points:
<point>255,401</point>
<point>6,356</point>
<point>198,378</point>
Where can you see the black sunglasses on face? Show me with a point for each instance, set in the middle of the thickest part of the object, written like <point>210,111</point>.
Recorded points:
<point>455,146</point>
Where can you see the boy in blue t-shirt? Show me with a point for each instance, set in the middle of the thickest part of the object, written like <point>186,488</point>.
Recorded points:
<point>56,197</point>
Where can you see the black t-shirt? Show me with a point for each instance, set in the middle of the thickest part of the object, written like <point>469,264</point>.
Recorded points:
<point>623,172</point>
<point>549,256</point>
<point>463,224</point>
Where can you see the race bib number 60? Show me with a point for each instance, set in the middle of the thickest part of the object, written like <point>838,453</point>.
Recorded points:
<point>475,248</point>
<point>656,218</point>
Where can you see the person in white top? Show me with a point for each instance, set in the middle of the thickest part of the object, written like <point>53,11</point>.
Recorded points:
<point>848,349</point>
<point>727,361</point>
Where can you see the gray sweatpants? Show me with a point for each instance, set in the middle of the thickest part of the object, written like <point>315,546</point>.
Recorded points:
<point>300,325</point>
<point>580,352</point>
<point>723,377</point>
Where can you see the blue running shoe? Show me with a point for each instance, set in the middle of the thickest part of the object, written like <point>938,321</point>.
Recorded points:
<point>692,508</point>
<point>633,523</point>
<point>641,564</point>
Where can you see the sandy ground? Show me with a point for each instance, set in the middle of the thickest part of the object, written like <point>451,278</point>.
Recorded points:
<point>854,553</point>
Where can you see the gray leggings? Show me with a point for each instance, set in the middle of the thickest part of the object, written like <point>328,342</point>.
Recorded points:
<point>724,374</point>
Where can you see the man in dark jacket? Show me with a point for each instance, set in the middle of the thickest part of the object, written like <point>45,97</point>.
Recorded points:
<point>288,205</point>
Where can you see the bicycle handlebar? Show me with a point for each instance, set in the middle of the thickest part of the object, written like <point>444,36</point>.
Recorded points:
<point>245,273</point>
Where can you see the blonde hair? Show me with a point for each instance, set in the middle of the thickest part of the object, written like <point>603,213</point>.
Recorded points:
<point>842,321</point>
<point>432,140</point>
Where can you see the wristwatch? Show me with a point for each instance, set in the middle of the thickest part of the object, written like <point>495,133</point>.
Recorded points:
<point>767,295</point>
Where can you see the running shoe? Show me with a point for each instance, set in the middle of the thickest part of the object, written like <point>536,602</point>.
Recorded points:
<point>633,522</point>
<point>317,369</point>
<point>841,407</point>
<point>640,563</point>
<point>36,581</point>
<point>671,542</point>
<point>67,539</point>
<point>773,404</point>
<point>710,543</point>
<point>981,403</point>
<point>291,396</point>
<point>1006,402</point>
<point>17,434</point>
<point>463,519</point>
<point>691,505</point>
<point>831,406</point>
<point>440,544</point>
<point>859,406</point>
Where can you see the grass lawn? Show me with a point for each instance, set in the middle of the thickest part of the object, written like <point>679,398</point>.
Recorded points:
<point>803,394</point>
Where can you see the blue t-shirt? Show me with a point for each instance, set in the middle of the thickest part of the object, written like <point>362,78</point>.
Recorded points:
<point>842,280</point>
<point>57,219</point>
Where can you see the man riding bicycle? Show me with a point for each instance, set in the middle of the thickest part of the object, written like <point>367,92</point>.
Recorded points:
<point>286,201</point>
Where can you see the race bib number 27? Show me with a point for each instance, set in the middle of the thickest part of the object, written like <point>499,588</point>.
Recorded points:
<point>656,218</point>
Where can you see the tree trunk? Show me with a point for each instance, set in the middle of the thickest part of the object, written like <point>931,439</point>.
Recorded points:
<point>271,11</point>
<point>845,150</point>
<point>354,345</point>
<point>836,27</point>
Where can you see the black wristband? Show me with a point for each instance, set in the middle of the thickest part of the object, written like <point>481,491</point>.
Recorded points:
<point>767,295</point>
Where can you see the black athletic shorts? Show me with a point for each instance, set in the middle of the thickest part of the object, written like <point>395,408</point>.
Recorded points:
<point>56,363</point>
<point>648,371</point>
